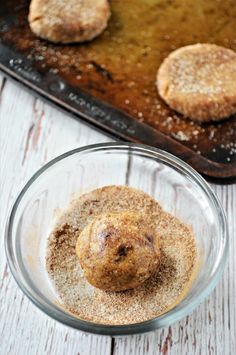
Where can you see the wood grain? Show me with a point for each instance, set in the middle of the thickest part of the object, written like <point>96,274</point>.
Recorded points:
<point>32,133</point>
<point>210,329</point>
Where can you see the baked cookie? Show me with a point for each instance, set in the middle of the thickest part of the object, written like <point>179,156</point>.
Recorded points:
<point>199,81</point>
<point>67,21</point>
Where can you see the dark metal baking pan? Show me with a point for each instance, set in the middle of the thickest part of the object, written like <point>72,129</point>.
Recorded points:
<point>110,82</point>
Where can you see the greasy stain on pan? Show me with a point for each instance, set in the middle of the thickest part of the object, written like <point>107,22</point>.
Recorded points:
<point>110,82</point>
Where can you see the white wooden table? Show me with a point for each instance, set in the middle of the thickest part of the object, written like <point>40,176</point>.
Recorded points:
<point>32,133</point>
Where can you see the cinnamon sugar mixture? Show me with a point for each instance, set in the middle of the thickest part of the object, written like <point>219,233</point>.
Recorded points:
<point>157,295</point>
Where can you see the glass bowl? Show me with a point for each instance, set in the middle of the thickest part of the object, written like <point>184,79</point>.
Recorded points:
<point>179,189</point>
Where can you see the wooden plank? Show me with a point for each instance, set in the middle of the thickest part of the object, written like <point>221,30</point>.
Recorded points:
<point>35,133</point>
<point>209,329</point>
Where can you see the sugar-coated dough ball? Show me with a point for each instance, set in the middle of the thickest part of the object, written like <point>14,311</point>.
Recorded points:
<point>118,251</point>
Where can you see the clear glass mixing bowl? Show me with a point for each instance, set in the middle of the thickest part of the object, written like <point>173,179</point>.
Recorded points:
<point>179,189</point>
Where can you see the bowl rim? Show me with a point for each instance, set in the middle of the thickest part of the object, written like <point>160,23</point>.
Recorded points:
<point>103,329</point>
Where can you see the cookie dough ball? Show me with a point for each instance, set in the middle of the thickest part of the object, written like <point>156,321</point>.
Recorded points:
<point>199,81</point>
<point>67,21</point>
<point>118,251</point>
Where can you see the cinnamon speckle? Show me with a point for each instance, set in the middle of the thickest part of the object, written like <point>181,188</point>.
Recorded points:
<point>157,295</point>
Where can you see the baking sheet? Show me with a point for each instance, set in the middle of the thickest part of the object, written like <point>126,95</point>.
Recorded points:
<point>110,82</point>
